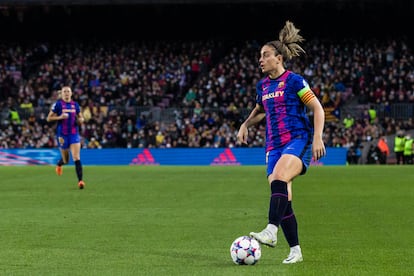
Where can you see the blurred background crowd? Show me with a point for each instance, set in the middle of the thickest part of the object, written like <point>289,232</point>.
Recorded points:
<point>151,90</point>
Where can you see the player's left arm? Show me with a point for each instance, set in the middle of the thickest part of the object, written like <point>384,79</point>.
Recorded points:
<point>79,115</point>
<point>312,102</point>
<point>80,118</point>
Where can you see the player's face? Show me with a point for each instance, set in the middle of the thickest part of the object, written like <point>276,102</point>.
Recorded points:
<point>66,94</point>
<point>268,61</point>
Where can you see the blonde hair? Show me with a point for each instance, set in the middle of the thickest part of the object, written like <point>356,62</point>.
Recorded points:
<point>287,45</point>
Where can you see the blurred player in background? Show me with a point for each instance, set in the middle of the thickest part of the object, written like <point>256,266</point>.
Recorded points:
<point>283,99</point>
<point>68,116</point>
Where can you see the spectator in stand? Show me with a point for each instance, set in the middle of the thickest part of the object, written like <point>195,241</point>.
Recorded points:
<point>94,144</point>
<point>348,121</point>
<point>14,116</point>
<point>27,107</point>
<point>372,114</point>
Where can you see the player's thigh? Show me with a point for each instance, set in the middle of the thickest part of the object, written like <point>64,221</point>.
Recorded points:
<point>287,167</point>
<point>75,151</point>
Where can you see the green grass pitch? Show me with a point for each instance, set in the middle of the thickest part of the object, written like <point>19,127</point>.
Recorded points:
<point>160,220</point>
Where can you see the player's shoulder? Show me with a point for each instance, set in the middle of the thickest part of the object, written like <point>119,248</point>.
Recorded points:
<point>294,76</point>
<point>76,104</point>
<point>56,104</point>
<point>297,79</point>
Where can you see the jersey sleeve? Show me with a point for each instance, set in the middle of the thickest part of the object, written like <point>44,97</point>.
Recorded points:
<point>77,107</point>
<point>305,93</point>
<point>56,108</point>
<point>259,92</point>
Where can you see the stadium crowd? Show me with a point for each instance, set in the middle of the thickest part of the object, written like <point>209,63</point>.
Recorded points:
<point>210,85</point>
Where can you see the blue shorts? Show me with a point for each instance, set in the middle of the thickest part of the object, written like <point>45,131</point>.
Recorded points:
<point>64,141</point>
<point>302,148</point>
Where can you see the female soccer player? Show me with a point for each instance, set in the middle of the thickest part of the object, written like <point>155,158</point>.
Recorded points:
<point>283,98</point>
<point>67,113</point>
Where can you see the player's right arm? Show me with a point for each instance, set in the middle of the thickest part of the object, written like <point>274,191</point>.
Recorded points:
<point>255,117</point>
<point>53,116</point>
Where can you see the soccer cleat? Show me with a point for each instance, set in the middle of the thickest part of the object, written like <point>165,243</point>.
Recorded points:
<point>265,237</point>
<point>295,256</point>
<point>81,184</point>
<point>59,170</point>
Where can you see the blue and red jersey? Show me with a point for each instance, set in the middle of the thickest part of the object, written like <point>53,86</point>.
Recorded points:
<point>69,125</point>
<point>283,100</point>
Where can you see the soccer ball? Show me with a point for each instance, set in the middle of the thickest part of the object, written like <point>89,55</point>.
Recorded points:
<point>245,250</point>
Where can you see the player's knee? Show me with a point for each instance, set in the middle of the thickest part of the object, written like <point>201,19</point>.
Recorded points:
<point>279,176</point>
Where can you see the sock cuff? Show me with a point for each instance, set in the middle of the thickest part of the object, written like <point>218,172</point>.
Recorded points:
<point>279,188</point>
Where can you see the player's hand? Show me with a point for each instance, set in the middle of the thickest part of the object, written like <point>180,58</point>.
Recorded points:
<point>64,115</point>
<point>318,149</point>
<point>242,134</point>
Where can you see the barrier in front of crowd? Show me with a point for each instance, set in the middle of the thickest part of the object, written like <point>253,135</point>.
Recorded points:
<point>157,156</point>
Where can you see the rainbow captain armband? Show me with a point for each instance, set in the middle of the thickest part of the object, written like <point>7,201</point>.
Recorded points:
<point>306,95</point>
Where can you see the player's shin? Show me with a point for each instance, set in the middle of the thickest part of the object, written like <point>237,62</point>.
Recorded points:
<point>290,226</point>
<point>79,170</point>
<point>278,201</point>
